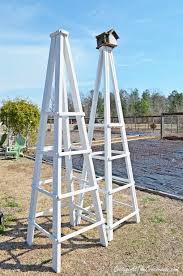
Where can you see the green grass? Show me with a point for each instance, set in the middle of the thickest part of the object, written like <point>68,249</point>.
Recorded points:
<point>158,218</point>
<point>10,202</point>
<point>147,199</point>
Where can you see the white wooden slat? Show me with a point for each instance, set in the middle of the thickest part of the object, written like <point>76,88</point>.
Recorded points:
<point>121,203</point>
<point>84,210</point>
<point>81,231</point>
<point>123,136</point>
<point>87,218</point>
<point>100,178</point>
<point>77,192</point>
<point>119,156</point>
<point>74,152</point>
<point>46,181</point>
<point>57,162</point>
<point>107,146</point>
<point>117,223</point>
<point>91,126</point>
<point>98,157</point>
<point>41,139</point>
<point>46,233</point>
<point>118,189</point>
<point>115,125</point>
<point>66,114</point>
<point>121,180</point>
<point>97,152</point>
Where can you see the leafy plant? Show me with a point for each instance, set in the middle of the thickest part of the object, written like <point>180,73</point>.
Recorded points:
<point>7,220</point>
<point>20,116</point>
<point>153,126</point>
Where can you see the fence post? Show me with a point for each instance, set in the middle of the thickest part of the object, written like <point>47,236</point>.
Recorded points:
<point>162,125</point>
<point>178,124</point>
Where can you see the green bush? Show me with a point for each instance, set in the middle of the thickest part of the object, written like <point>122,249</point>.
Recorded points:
<point>20,116</point>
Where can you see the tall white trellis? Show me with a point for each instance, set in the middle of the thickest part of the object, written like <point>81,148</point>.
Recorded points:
<point>106,64</point>
<point>60,60</point>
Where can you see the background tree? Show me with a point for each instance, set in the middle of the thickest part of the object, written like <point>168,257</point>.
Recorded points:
<point>87,102</point>
<point>20,116</point>
<point>124,101</point>
<point>175,102</point>
<point>100,105</point>
<point>145,103</point>
<point>134,103</point>
<point>158,103</point>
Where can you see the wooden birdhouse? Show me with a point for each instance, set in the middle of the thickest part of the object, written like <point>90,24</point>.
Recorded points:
<point>107,39</point>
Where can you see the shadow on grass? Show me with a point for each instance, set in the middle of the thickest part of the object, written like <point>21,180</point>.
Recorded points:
<point>15,246</point>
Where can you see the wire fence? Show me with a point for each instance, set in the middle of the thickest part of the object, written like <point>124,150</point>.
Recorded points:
<point>172,125</point>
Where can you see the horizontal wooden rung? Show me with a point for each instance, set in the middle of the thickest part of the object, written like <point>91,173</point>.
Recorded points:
<point>122,180</point>
<point>41,190</point>
<point>74,152</point>
<point>115,125</point>
<point>87,218</point>
<point>84,210</point>
<point>81,191</point>
<point>119,156</point>
<point>98,157</point>
<point>44,213</point>
<point>71,235</point>
<point>123,220</point>
<point>66,114</point>
<point>100,178</point>
<point>47,149</point>
<point>121,203</point>
<point>46,181</point>
<point>97,152</point>
<point>80,231</point>
<point>99,125</point>
<point>118,189</point>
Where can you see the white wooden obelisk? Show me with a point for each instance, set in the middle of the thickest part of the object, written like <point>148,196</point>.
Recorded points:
<point>60,62</point>
<point>106,64</point>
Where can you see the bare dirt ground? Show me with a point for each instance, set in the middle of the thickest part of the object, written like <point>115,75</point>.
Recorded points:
<point>152,247</point>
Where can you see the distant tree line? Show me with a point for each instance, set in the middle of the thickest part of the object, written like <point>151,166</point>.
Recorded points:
<point>135,103</point>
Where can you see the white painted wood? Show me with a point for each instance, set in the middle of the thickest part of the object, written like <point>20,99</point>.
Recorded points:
<point>124,138</point>
<point>57,162</point>
<point>60,59</point>
<point>66,114</point>
<point>91,127</point>
<point>107,145</point>
<point>106,62</point>
<point>41,138</point>
<point>68,159</point>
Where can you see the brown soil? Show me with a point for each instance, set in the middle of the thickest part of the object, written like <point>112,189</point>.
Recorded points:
<point>152,247</point>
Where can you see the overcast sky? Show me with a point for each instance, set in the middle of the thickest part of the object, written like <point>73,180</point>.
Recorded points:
<point>149,55</point>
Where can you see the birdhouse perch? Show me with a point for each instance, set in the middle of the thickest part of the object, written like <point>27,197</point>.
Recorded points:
<point>107,39</point>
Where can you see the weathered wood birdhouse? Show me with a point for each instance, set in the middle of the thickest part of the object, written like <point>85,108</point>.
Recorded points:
<point>107,39</point>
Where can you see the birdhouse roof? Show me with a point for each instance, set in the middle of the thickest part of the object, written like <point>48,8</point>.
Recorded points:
<point>111,31</point>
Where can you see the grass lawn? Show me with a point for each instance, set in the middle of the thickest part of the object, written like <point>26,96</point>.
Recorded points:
<point>152,247</point>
